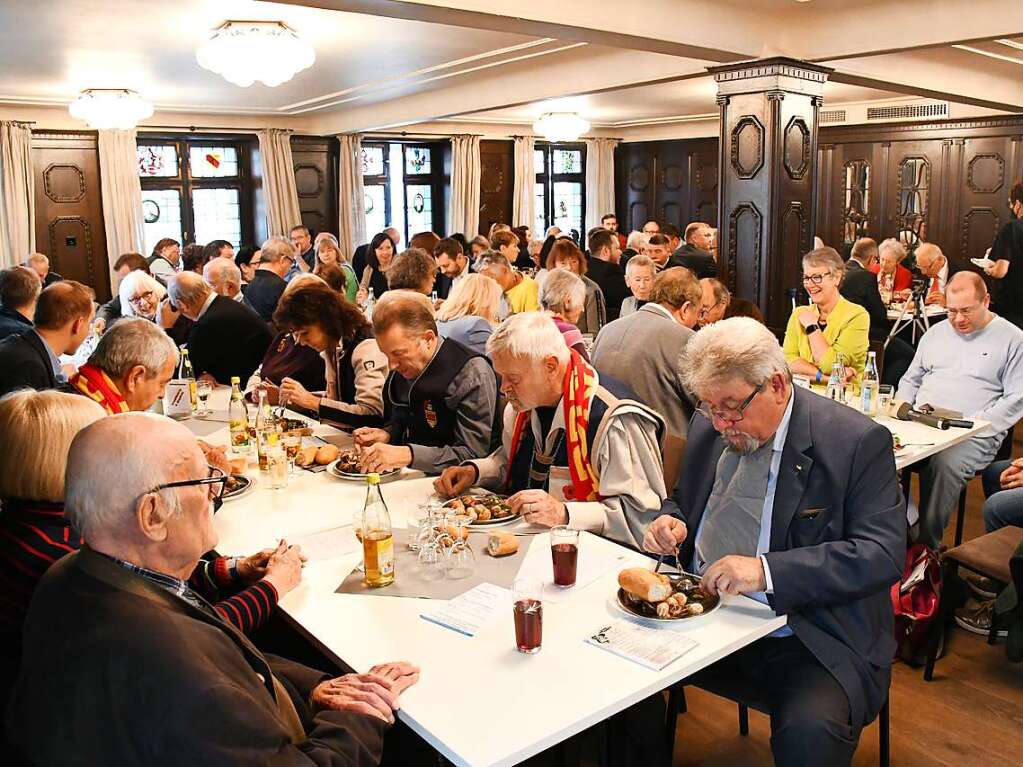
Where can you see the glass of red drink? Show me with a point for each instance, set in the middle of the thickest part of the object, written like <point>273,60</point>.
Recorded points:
<point>527,609</point>
<point>565,553</point>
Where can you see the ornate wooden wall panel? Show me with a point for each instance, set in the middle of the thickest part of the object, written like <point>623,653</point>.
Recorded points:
<point>69,212</point>
<point>316,167</point>
<point>497,184</point>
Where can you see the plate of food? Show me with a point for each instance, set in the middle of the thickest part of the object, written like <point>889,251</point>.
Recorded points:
<point>347,467</point>
<point>236,486</point>
<point>661,598</point>
<point>485,509</point>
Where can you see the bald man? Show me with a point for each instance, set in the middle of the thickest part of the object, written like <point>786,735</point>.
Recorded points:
<point>938,269</point>
<point>224,277</point>
<point>973,363</point>
<point>136,666</point>
<point>228,338</point>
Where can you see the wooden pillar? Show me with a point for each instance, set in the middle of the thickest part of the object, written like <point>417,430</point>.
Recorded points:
<point>768,177</point>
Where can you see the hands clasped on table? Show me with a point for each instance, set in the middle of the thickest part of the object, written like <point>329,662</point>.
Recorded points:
<point>373,694</point>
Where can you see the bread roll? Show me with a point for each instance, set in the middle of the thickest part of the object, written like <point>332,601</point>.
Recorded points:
<point>306,455</point>
<point>327,454</point>
<point>645,584</point>
<point>502,544</point>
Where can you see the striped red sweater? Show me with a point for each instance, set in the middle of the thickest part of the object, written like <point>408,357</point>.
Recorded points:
<point>34,535</point>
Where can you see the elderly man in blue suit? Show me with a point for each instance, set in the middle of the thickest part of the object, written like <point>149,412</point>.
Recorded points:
<point>791,499</point>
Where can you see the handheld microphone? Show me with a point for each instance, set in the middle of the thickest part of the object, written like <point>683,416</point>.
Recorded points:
<point>906,412</point>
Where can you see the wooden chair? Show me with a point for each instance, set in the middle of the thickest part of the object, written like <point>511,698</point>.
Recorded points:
<point>989,556</point>
<point>746,698</point>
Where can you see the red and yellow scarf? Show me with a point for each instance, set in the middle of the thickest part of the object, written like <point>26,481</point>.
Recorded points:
<point>97,385</point>
<point>577,395</point>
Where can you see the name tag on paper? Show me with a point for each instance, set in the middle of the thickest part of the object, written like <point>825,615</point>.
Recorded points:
<point>177,401</point>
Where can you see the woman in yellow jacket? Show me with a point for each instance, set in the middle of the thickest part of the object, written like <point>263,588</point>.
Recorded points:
<point>830,326</point>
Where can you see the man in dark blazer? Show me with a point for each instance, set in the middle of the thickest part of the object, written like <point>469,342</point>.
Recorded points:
<point>603,268</point>
<point>19,291</point>
<point>695,254</point>
<point>792,499</point>
<point>63,319</point>
<point>276,258</point>
<point>859,285</point>
<point>227,339</point>
<point>137,667</point>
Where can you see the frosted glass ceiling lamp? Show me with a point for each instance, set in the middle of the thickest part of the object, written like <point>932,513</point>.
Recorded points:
<point>105,108</point>
<point>561,126</point>
<point>244,52</point>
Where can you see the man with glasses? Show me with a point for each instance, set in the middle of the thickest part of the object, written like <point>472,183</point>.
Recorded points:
<point>139,668</point>
<point>276,258</point>
<point>793,500</point>
<point>973,363</point>
<point>714,301</point>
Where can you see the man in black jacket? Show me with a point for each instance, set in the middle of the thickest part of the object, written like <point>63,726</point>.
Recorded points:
<point>859,285</point>
<point>603,268</point>
<point>695,254</point>
<point>275,259</point>
<point>228,339</point>
<point>793,500</point>
<point>63,319</point>
<point>19,291</point>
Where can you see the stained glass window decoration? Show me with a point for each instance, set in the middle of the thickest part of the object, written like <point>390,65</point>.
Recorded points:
<point>162,216</point>
<point>567,160</point>
<point>217,215</point>
<point>417,160</point>
<point>568,205</point>
<point>419,199</point>
<point>376,208</point>
<point>213,162</point>
<point>157,160</point>
<point>372,161</point>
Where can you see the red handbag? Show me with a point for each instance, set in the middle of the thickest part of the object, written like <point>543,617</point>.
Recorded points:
<point>916,599</point>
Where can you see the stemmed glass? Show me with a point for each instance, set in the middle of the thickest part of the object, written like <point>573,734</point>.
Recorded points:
<point>462,560</point>
<point>203,389</point>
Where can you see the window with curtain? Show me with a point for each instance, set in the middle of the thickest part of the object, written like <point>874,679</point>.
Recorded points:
<point>196,190</point>
<point>560,188</point>
<point>404,187</point>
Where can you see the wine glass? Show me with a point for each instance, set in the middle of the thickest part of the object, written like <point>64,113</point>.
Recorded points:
<point>461,559</point>
<point>292,442</point>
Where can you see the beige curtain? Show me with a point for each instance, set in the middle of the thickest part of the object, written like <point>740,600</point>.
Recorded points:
<point>524,188</point>
<point>464,213</point>
<point>121,193</point>
<point>600,179</point>
<point>282,211</point>
<point>352,199</point>
<point>17,193</point>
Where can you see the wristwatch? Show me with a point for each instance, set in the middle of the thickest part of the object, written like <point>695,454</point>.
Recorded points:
<point>812,328</point>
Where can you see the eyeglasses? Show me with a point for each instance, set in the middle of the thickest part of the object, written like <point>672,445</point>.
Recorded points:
<point>728,414</point>
<point>146,297</point>
<point>217,480</point>
<point>965,311</point>
<point>816,279</point>
<point>705,310</point>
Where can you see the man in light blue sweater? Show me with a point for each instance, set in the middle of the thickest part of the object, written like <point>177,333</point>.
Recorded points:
<point>972,363</point>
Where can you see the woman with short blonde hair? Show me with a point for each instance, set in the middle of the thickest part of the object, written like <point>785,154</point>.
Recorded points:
<point>470,313</point>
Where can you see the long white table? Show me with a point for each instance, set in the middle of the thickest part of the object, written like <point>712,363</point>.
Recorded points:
<point>531,701</point>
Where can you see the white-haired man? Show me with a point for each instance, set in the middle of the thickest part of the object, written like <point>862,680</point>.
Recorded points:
<point>135,665</point>
<point>129,368</point>
<point>276,258</point>
<point>577,449</point>
<point>228,339</point>
<point>224,277</point>
<point>973,363</point>
<point>791,499</point>
<point>40,264</point>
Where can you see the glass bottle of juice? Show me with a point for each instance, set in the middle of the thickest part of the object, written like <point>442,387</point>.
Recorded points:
<point>377,537</point>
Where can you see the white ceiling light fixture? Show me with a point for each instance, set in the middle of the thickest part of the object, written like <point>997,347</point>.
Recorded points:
<point>246,51</point>
<point>105,108</point>
<point>561,126</point>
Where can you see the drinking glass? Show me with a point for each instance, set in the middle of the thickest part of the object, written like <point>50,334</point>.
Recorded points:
<point>527,609</point>
<point>203,389</point>
<point>885,395</point>
<point>461,559</point>
<point>433,558</point>
<point>421,523</point>
<point>277,466</point>
<point>565,553</point>
<point>292,443</point>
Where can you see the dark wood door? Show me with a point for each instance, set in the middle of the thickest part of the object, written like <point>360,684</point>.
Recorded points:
<point>315,161</point>
<point>980,208</point>
<point>497,179</point>
<point>69,212</point>
<point>914,189</point>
